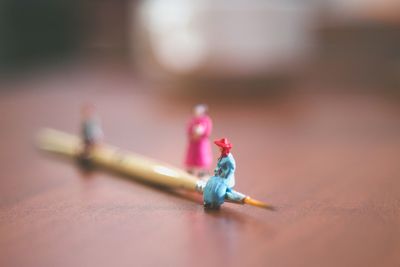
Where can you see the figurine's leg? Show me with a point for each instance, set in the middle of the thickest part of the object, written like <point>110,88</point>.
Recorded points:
<point>233,195</point>
<point>84,158</point>
<point>207,205</point>
<point>211,206</point>
<point>214,193</point>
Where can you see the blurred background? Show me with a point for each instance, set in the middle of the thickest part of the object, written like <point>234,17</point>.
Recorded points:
<point>204,43</point>
<point>306,90</point>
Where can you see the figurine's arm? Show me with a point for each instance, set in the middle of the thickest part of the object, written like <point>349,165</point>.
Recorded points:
<point>229,167</point>
<point>99,133</point>
<point>208,130</point>
<point>199,130</point>
<point>216,170</point>
<point>203,128</point>
<point>191,131</point>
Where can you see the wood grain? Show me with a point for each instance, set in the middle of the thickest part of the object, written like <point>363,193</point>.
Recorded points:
<point>330,162</point>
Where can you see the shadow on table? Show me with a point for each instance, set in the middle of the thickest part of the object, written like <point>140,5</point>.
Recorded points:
<point>224,216</point>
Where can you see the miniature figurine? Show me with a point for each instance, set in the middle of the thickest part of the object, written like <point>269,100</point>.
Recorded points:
<point>152,171</point>
<point>92,133</point>
<point>224,177</point>
<point>199,156</point>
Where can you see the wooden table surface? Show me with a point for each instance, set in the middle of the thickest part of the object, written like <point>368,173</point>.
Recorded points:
<point>330,162</point>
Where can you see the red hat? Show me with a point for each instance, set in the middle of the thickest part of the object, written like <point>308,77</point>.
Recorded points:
<point>223,142</point>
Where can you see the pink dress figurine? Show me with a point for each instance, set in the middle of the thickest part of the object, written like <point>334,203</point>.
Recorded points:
<point>199,156</point>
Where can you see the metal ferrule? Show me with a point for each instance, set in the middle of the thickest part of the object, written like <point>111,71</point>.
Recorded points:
<point>235,197</point>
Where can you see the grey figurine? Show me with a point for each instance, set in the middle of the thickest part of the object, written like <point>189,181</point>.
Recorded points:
<point>91,131</point>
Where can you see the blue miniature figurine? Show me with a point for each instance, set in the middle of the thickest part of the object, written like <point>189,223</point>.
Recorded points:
<point>224,177</point>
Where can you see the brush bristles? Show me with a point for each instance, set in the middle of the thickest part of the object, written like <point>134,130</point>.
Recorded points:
<point>257,203</point>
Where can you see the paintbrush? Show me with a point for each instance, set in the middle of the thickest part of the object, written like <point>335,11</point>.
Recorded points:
<point>133,165</point>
